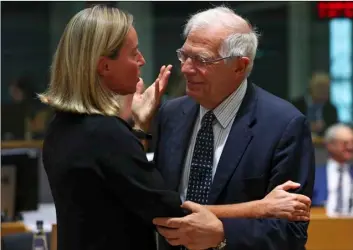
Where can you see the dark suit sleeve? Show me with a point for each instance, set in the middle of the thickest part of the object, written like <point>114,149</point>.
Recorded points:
<point>135,181</point>
<point>159,123</point>
<point>293,160</point>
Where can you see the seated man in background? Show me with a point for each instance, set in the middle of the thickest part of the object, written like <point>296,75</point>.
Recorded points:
<point>25,116</point>
<point>317,106</point>
<point>334,181</point>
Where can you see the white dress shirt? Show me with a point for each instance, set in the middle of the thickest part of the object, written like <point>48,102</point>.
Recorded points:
<point>225,114</point>
<point>332,188</point>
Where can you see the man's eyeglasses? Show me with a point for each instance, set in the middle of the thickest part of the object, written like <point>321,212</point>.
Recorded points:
<point>199,60</point>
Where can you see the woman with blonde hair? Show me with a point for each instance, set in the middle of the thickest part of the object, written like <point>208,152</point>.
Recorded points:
<point>105,191</point>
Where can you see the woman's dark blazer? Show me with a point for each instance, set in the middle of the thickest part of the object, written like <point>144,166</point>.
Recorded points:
<point>106,193</point>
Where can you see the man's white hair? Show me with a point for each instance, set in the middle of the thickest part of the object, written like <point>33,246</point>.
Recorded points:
<point>236,44</point>
<point>331,132</point>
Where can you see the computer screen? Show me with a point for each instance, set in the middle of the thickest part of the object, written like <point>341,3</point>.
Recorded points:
<point>26,161</point>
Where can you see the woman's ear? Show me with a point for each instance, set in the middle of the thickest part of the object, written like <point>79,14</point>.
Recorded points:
<point>103,66</point>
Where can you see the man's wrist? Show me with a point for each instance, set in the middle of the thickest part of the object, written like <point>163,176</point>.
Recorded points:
<point>221,245</point>
<point>221,240</point>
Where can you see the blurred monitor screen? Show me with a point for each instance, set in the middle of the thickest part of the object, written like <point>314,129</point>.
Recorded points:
<point>26,161</point>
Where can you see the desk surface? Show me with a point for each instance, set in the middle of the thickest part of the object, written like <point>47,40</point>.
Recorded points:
<point>21,144</point>
<point>326,233</point>
<point>318,141</point>
<point>8,228</point>
<point>54,238</point>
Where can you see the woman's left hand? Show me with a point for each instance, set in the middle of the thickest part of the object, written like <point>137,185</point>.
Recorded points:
<point>145,103</point>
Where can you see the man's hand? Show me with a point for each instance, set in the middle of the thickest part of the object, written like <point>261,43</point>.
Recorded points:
<point>281,204</point>
<point>145,103</point>
<point>199,230</point>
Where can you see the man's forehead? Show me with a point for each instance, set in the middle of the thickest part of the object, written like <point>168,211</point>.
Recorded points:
<point>204,40</point>
<point>196,47</point>
<point>344,134</point>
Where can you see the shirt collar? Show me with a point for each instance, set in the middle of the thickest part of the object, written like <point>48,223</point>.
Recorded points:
<point>229,108</point>
<point>331,162</point>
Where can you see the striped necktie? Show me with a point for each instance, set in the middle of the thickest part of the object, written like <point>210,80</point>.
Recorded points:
<point>339,205</point>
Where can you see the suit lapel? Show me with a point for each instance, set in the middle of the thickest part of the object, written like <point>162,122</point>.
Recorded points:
<point>237,142</point>
<point>178,144</point>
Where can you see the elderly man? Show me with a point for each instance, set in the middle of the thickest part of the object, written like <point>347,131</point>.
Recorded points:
<point>334,180</point>
<point>229,141</point>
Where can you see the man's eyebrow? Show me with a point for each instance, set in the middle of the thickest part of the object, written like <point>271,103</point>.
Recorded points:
<point>200,53</point>
<point>205,53</point>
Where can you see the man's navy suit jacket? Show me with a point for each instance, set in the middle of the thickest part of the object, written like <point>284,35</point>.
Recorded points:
<point>269,144</point>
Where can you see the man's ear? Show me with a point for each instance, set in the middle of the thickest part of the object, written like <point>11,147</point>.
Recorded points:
<point>103,66</point>
<point>242,64</point>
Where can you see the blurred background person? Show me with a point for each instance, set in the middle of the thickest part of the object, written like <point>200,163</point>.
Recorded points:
<point>316,105</point>
<point>334,180</point>
<point>24,117</point>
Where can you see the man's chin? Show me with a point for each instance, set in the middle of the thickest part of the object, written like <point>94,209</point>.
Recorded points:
<point>193,93</point>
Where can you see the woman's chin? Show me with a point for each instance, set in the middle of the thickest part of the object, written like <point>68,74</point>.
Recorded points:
<point>124,92</point>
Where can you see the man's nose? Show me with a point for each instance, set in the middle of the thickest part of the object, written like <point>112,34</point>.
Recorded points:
<point>187,67</point>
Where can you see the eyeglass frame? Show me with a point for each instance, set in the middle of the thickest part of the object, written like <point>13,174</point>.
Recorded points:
<point>208,62</point>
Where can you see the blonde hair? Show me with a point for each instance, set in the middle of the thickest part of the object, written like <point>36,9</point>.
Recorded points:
<point>74,82</point>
